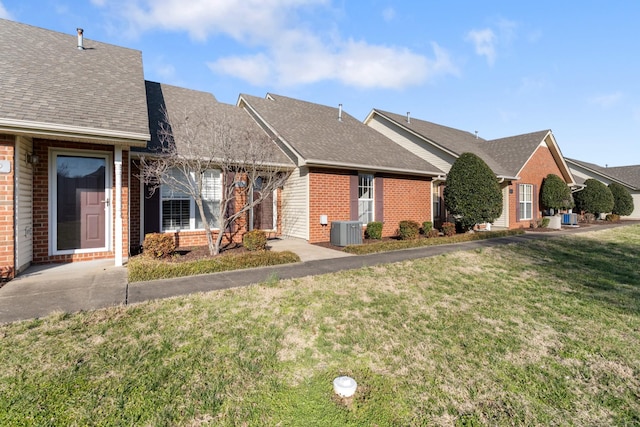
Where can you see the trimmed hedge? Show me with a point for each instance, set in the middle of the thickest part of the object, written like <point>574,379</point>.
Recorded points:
<point>255,240</point>
<point>595,198</point>
<point>144,268</point>
<point>393,245</point>
<point>374,230</point>
<point>408,230</point>
<point>622,200</point>
<point>158,245</point>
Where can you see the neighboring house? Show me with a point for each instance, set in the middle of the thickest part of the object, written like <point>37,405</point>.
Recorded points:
<point>70,111</point>
<point>168,211</point>
<point>519,162</point>
<point>627,176</point>
<point>344,169</point>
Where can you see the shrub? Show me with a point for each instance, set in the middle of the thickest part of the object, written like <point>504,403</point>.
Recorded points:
<point>555,193</point>
<point>427,226</point>
<point>432,233</point>
<point>374,230</point>
<point>588,218</point>
<point>448,229</point>
<point>613,218</point>
<point>472,193</point>
<point>408,230</point>
<point>544,222</point>
<point>622,199</point>
<point>158,245</point>
<point>255,240</point>
<point>595,198</point>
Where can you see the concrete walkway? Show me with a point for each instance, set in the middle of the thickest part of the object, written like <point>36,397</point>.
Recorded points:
<point>42,290</point>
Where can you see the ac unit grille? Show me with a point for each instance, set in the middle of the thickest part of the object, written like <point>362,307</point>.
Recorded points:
<point>344,233</point>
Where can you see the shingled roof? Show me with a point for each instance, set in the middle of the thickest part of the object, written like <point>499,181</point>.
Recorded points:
<point>454,141</point>
<point>50,87</point>
<point>513,152</point>
<point>179,103</point>
<point>626,175</point>
<point>317,136</point>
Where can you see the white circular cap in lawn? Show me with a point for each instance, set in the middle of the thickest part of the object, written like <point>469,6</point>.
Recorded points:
<point>345,386</point>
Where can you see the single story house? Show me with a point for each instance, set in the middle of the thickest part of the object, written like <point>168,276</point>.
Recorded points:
<point>627,176</point>
<point>71,109</point>
<point>193,117</point>
<point>520,162</point>
<point>344,170</point>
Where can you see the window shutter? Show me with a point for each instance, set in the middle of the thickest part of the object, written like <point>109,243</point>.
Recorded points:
<point>151,211</point>
<point>231,205</point>
<point>534,201</point>
<point>517,202</point>
<point>378,186</point>
<point>353,197</point>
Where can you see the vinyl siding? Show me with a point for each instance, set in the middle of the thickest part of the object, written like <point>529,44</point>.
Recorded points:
<point>24,204</point>
<point>413,144</point>
<point>503,219</point>
<point>295,205</point>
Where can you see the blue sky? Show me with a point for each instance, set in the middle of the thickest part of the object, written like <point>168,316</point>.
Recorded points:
<point>501,68</point>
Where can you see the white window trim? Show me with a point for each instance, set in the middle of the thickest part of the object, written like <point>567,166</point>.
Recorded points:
<point>53,197</point>
<point>370,200</point>
<point>193,212</point>
<point>524,203</point>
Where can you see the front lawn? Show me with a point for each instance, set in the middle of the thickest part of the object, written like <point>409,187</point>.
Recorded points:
<point>544,332</point>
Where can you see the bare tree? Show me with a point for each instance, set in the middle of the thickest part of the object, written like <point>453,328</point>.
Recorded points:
<point>218,145</point>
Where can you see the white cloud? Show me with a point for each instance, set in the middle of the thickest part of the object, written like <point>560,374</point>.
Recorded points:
<point>607,100</point>
<point>286,49</point>
<point>484,42</point>
<point>388,14</point>
<point>4,13</point>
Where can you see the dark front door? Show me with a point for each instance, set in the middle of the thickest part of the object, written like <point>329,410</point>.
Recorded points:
<point>263,214</point>
<point>81,202</point>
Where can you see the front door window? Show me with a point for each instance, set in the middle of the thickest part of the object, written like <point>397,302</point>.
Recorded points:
<point>80,202</point>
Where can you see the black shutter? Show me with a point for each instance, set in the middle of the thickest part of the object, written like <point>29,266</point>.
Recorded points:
<point>151,211</point>
<point>517,202</point>
<point>231,205</point>
<point>534,202</point>
<point>353,197</point>
<point>378,186</point>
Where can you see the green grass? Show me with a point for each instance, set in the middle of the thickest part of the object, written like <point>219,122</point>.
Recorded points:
<point>393,245</point>
<point>544,332</point>
<point>142,268</point>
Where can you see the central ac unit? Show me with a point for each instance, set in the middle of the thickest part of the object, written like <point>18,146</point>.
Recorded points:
<point>344,233</point>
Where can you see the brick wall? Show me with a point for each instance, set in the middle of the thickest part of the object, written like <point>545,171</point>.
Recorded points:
<point>7,197</point>
<point>405,198</point>
<point>41,236</point>
<point>537,168</point>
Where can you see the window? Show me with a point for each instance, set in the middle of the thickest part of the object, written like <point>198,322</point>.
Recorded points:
<point>525,192</point>
<point>179,210</point>
<point>365,198</point>
<point>436,202</point>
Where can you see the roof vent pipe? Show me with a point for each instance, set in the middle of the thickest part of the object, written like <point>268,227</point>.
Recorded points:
<point>408,117</point>
<point>80,39</point>
<point>340,112</point>
<point>476,134</point>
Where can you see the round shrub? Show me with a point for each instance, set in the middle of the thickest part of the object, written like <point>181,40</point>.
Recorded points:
<point>408,230</point>
<point>622,199</point>
<point>255,240</point>
<point>427,226</point>
<point>374,230</point>
<point>595,198</point>
<point>448,229</point>
<point>555,193</point>
<point>472,193</point>
<point>158,245</point>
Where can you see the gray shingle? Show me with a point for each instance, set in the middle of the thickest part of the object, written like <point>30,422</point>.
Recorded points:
<point>514,151</point>
<point>45,78</point>
<point>181,102</point>
<point>629,175</point>
<point>314,131</point>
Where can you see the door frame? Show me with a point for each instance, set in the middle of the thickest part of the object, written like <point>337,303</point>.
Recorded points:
<point>53,196</point>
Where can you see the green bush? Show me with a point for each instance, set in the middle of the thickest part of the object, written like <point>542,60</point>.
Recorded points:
<point>613,218</point>
<point>472,193</point>
<point>448,229</point>
<point>622,199</point>
<point>427,226</point>
<point>374,230</point>
<point>544,222</point>
<point>408,230</point>
<point>255,240</point>
<point>595,198</point>
<point>432,233</point>
<point>158,245</point>
<point>555,193</point>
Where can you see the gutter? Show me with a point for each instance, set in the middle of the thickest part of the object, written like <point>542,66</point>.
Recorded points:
<point>74,132</point>
<point>336,165</point>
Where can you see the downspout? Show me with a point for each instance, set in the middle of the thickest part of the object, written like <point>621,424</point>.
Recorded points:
<point>118,200</point>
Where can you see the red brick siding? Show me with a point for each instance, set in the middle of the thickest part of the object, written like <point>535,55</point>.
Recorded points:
<point>7,198</point>
<point>405,198</point>
<point>537,168</point>
<point>41,203</point>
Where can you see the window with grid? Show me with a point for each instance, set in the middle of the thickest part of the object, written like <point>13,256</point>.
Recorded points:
<point>179,210</point>
<point>436,202</point>
<point>525,192</point>
<point>365,198</point>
